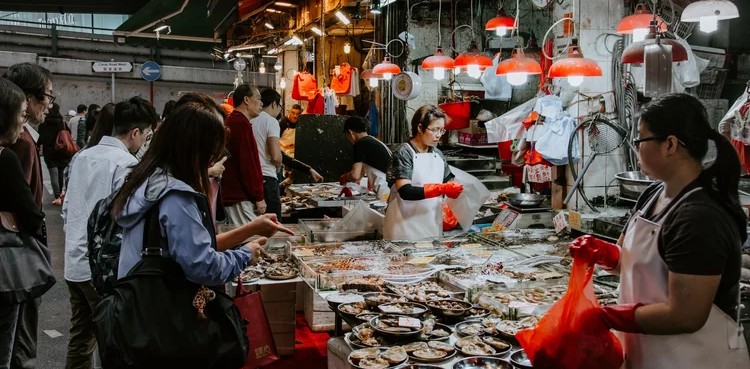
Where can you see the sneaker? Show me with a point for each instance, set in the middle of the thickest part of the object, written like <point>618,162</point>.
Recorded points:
<point>57,201</point>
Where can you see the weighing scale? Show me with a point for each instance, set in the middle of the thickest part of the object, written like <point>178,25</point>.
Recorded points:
<point>513,217</point>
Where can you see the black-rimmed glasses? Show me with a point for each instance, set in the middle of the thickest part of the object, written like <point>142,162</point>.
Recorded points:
<point>51,98</point>
<point>637,141</point>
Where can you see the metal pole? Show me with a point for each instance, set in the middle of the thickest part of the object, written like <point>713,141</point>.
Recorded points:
<point>113,85</point>
<point>151,91</point>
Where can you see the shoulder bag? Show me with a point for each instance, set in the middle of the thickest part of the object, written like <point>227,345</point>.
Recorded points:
<point>150,321</point>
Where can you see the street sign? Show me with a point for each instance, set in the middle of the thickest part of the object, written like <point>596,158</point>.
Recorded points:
<point>239,64</point>
<point>112,67</point>
<point>150,71</point>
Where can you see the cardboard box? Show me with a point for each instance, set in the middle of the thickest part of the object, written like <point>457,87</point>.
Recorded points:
<point>473,136</point>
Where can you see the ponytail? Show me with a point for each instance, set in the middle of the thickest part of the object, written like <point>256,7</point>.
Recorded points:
<point>723,179</point>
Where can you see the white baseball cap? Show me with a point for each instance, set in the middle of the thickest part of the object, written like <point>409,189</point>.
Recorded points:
<point>72,112</point>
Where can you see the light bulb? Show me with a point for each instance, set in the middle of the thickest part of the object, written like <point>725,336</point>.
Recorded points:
<point>262,67</point>
<point>282,84</point>
<point>387,76</point>
<point>277,66</point>
<point>473,71</point>
<point>438,73</point>
<point>575,81</point>
<point>639,34</point>
<point>501,31</point>
<point>373,82</point>
<point>347,48</point>
<point>517,78</point>
<point>709,24</point>
<point>456,70</point>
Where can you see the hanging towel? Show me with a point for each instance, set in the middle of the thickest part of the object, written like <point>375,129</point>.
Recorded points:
<point>304,86</point>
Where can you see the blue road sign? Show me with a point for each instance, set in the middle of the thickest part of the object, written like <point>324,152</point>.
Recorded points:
<point>150,71</point>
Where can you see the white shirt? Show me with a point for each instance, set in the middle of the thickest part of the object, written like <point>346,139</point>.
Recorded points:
<point>95,174</point>
<point>264,126</point>
<point>73,125</point>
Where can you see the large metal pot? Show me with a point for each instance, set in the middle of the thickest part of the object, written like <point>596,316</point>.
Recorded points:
<point>632,184</point>
<point>526,200</point>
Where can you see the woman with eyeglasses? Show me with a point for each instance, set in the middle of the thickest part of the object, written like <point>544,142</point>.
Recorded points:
<point>419,177</point>
<point>679,257</point>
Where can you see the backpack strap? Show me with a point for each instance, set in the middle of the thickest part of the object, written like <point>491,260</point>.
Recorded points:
<point>152,239</point>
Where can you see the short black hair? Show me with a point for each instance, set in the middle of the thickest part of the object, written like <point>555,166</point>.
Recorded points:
<point>243,90</point>
<point>269,96</point>
<point>168,107</point>
<point>296,107</point>
<point>355,124</point>
<point>31,78</point>
<point>135,112</point>
<point>81,108</point>
<point>11,100</point>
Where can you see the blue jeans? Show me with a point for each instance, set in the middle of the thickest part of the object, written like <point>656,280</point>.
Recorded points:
<point>8,321</point>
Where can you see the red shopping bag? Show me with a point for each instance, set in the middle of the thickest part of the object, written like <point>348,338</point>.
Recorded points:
<point>262,348</point>
<point>449,219</point>
<point>571,335</point>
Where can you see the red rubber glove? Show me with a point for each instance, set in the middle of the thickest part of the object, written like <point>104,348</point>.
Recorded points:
<point>346,192</point>
<point>453,189</point>
<point>621,317</point>
<point>433,190</point>
<point>592,249</point>
<point>342,179</point>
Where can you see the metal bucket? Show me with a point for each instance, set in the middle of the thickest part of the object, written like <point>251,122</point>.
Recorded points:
<point>632,184</point>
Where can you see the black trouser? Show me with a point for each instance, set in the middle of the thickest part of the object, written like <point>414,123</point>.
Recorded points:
<point>24,346</point>
<point>271,196</point>
<point>83,300</point>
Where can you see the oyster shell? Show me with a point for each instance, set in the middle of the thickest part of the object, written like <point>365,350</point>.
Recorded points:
<point>496,343</point>
<point>478,349</point>
<point>365,333</point>
<point>439,345</point>
<point>429,354</point>
<point>414,346</point>
<point>373,363</point>
<point>394,355</point>
<point>467,341</point>
<point>440,333</point>
<point>471,329</point>
<point>364,353</point>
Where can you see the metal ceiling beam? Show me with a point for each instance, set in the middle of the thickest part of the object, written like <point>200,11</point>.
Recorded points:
<point>74,6</point>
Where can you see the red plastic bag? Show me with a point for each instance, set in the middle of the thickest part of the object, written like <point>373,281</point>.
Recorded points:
<point>262,348</point>
<point>571,335</point>
<point>449,219</point>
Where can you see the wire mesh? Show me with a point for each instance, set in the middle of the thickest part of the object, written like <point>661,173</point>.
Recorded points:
<point>604,136</point>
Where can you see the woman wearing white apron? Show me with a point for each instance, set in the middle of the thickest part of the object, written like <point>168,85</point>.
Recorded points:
<point>371,157</point>
<point>679,257</point>
<point>420,177</point>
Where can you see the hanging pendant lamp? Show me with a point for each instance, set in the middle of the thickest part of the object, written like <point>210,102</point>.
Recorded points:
<point>518,68</point>
<point>372,79</point>
<point>501,24</point>
<point>709,13</point>
<point>638,23</point>
<point>635,52</point>
<point>438,64</point>
<point>575,67</point>
<point>386,69</point>
<point>473,61</point>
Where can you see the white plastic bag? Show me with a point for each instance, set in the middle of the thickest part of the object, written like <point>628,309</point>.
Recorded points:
<point>466,206</point>
<point>359,218</point>
<point>509,126</point>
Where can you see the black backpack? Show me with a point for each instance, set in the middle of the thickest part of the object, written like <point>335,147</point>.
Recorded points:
<point>104,239</point>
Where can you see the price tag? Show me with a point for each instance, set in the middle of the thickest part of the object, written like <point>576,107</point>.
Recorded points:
<point>574,218</point>
<point>304,253</point>
<point>409,322</point>
<point>559,222</point>
<point>471,245</point>
<point>390,309</point>
<point>423,245</point>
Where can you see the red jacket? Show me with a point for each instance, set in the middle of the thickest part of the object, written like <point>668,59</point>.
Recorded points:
<point>26,150</point>
<point>242,179</point>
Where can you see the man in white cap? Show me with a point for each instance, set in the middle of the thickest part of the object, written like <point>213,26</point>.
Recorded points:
<point>73,122</point>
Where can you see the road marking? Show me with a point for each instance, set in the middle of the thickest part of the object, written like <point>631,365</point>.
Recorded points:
<point>53,333</point>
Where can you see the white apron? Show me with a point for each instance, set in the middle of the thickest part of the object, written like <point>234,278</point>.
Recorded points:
<point>376,181</point>
<point>420,219</point>
<point>719,344</point>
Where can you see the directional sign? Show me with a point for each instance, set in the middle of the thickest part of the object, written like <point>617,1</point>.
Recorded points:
<point>112,67</point>
<point>150,71</point>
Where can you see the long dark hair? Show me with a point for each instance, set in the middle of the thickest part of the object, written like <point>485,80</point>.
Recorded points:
<point>103,125</point>
<point>188,141</point>
<point>11,100</point>
<point>683,116</point>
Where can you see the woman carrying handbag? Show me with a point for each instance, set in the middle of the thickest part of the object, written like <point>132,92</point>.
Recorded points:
<point>25,272</point>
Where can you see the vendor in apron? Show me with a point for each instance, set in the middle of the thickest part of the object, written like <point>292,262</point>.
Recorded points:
<point>679,257</point>
<point>371,157</point>
<point>420,177</point>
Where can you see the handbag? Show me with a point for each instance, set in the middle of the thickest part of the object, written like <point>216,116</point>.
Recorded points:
<point>150,321</point>
<point>26,272</point>
<point>64,143</point>
<point>262,347</point>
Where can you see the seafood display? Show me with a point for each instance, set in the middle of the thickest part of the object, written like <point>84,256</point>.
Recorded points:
<point>375,358</point>
<point>474,346</point>
<point>280,271</point>
<point>424,291</point>
<point>403,308</point>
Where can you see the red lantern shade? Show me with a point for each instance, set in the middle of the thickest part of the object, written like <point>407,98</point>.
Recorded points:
<point>386,67</point>
<point>518,63</point>
<point>439,60</point>
<point>501,21</point>
<point>634,53</point>
<point>575,65</point>
<point>640,19</point>
<point>472,56</point>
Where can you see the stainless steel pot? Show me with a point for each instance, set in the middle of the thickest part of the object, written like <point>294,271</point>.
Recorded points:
<point>632,184</point>
<point>526,200</point>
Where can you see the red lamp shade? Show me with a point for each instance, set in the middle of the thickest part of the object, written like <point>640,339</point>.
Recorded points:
<point>439,60</point>
<point>640,19</point>
<point>386,67</point>
<point>501,21</point>
<point>634,53</point>
<point>518,63</point>
<point>575,65</point>
<point>472,56</point>
<point>367,74</point>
